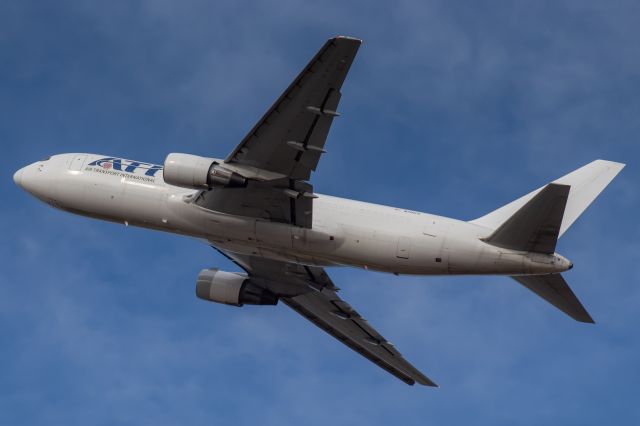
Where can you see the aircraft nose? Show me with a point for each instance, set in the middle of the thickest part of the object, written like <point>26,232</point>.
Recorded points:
<point>17,177</point>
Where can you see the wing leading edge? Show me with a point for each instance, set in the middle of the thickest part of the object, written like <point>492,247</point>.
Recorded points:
<point>285,146</point>
<point>289,139</point>
<point>309,291</point>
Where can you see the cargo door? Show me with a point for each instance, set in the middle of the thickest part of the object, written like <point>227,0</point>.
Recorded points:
<point>403,250</point>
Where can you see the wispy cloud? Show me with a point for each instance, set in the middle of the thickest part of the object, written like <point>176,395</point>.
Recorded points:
<point>453,108</point>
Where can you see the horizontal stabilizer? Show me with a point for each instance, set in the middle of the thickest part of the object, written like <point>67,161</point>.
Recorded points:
<point>536,225</point>
<point>555,290</point>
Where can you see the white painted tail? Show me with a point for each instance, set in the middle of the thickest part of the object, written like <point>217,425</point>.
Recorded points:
<point>586,183</point>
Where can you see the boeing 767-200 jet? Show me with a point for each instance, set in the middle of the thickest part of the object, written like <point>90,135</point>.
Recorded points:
<point>258,209</point>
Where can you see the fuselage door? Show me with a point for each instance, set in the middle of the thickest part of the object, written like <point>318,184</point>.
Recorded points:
<point>77,162</point>
<point>404,248</point>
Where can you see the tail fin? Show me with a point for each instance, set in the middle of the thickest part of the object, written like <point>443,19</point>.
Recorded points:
<point>555,290</point>
<point>535,221</point>
<point>536,225</point>
<point>586,184</point>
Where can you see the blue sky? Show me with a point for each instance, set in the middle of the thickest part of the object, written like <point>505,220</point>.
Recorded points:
<point>453,108</point>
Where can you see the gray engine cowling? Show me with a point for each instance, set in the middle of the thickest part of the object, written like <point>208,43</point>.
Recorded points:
<point>192,171</point>
<point>231,288</point>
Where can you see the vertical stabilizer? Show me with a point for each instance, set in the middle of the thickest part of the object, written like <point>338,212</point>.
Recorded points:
<point>536,225</point>
<point>586,184</point>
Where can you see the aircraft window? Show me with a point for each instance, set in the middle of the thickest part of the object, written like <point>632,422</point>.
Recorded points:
<point>45,159</point>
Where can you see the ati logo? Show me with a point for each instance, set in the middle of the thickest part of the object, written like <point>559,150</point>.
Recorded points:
<point>127,166</point>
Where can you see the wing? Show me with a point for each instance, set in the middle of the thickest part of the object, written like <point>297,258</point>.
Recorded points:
<point>286,144</point>
<point>290,137</point>
<point>309,291</point>
<point>280,200</point>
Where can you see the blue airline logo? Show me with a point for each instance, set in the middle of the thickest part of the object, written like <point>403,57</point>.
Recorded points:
<point>127,166</point>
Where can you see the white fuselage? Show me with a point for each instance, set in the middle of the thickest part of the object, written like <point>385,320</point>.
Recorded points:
<point>344,232</point>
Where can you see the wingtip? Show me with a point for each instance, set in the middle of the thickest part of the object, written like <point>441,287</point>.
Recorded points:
<point>418,378</point>
<point>583,316</point>
<point>587,320</point>
<point>348,38</point>
<point>425,381</point>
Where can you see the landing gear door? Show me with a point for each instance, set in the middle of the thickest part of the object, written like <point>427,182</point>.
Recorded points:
<point>76,163</point>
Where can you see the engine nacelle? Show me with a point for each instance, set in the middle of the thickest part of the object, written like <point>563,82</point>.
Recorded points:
<point>231,289</point>
<point>192,171</point>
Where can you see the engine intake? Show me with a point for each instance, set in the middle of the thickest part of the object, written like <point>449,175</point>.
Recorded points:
<point>192,171</point>
<point>232,289</point>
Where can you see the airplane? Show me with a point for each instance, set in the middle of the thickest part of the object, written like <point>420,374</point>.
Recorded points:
<point>258,209</point>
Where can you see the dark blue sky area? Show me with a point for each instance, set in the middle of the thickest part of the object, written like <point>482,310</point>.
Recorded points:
<point>453,108</point>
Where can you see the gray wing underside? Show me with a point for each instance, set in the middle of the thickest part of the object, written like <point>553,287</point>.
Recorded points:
<point>335,316</point>
<point>271,201</point>
<point>287,142</point>
<point>289,139</point>
<point>309,291</point>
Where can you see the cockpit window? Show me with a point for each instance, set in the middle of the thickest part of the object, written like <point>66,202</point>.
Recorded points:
<point>45,159</point>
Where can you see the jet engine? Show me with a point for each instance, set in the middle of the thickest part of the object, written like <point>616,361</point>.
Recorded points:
<point>192,171</point>
<point>232,288</point>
